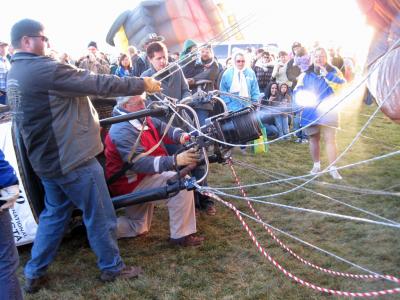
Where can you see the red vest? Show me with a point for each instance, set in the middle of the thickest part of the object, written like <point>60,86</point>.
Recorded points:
<point>114,163</point>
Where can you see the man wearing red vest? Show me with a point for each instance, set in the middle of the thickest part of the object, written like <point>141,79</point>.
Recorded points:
<point>152,168</point>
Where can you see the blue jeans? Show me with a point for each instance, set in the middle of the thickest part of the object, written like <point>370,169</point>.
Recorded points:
<point>296,125</point>
<point>282,123</point>
<point>3,99</point>
<point>272,131</point>
<point>9,284</point>
<point>85,188</point>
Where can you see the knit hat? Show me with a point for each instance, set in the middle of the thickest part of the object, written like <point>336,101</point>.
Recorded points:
<point>92,44</point>
<point>296,44</point>
<point>187,45</point>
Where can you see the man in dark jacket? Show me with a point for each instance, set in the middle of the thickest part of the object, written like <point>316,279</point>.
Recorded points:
<point>60,130</point>
<point>204,68</point>
<point>173,81</point>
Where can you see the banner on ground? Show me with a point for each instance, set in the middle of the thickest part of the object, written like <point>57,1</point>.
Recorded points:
<point>23,223</point>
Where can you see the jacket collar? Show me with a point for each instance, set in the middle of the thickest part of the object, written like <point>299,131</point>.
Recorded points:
<point>117,111</point>
<point>25,55</point>
<point>328,68</point>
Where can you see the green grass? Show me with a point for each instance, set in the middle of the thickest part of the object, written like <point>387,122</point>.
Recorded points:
<point>228,266</point>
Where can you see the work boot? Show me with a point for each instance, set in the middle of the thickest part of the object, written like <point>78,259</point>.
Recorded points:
<point>188,241</point>
<point>125,273</point>
<point>33,285</point>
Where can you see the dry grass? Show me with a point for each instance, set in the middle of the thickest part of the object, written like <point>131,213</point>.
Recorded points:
<point>228,266</point>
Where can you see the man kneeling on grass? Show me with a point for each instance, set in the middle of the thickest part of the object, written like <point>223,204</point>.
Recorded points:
<point>152,168</point>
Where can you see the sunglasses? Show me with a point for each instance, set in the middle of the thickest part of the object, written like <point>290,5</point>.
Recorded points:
<point>240,61</point>
<point>44,38</point>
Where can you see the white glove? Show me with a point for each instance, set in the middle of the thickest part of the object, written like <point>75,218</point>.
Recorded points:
<point>9,194</point>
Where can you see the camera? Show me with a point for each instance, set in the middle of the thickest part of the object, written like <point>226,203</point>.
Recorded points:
<point>237,127</point>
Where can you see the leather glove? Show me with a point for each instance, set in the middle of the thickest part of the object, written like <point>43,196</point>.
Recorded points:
<point>9,194</point>
<point>185,137</point>
<point>187,157</point>
<point>151,85</point>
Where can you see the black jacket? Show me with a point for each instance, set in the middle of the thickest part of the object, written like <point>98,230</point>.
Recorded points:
<point>292,72</point>
<point>58,124</point>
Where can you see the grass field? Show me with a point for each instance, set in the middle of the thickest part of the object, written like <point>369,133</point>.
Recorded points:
<point>228,266</point>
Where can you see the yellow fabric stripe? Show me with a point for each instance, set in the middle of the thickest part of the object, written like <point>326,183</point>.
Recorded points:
<point>121,40</point>
<point>334,85</point>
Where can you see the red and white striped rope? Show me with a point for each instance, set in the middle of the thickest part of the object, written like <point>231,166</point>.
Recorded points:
<point>284,246</point>
<point>294,277</point>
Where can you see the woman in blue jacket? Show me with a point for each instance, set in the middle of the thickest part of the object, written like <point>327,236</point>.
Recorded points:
<point>239,80</point>
<point>315,92</point>
<point>124,66</point>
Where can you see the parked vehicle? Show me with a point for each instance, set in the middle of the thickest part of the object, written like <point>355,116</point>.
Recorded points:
<point>224,50</point>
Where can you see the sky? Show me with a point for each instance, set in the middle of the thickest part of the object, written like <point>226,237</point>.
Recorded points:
<point>72,24</point>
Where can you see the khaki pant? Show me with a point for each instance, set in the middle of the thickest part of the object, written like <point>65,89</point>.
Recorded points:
<point>137,219</point>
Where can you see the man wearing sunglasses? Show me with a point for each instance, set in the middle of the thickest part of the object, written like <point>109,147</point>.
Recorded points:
<point>61,133</point>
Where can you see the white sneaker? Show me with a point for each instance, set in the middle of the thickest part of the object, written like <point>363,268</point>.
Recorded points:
<point>315,170</point>
<point>334,173</point>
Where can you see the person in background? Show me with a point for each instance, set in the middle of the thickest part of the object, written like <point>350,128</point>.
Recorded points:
<point>187,61</point>
<point>133,54</point>
<point>9,192</point>
<point>60,130</point>
<point>204,68</point>
<point>282,120</point>
<point>280,68</point>
<point>175,56</point>
<point>228,63</point>
<point>293,71</point>
<point>4,67</point>
<point>259,54</point>
<point>241,81</point>
<point>93,61</point>
<point>124,66</point>
<point>263,69</point>
<point>173,83</point>
<point>142,63</point>
<point>278,107</point>
<point>321,81</point>
<point>65,59</point>
<point>268,110</point>
<point>10,52</point>
<point>335,59</point>
<point>302,59</point>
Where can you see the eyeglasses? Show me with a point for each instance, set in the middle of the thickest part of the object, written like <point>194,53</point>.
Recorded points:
<point>44,38</point>
<point>240,61</point>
